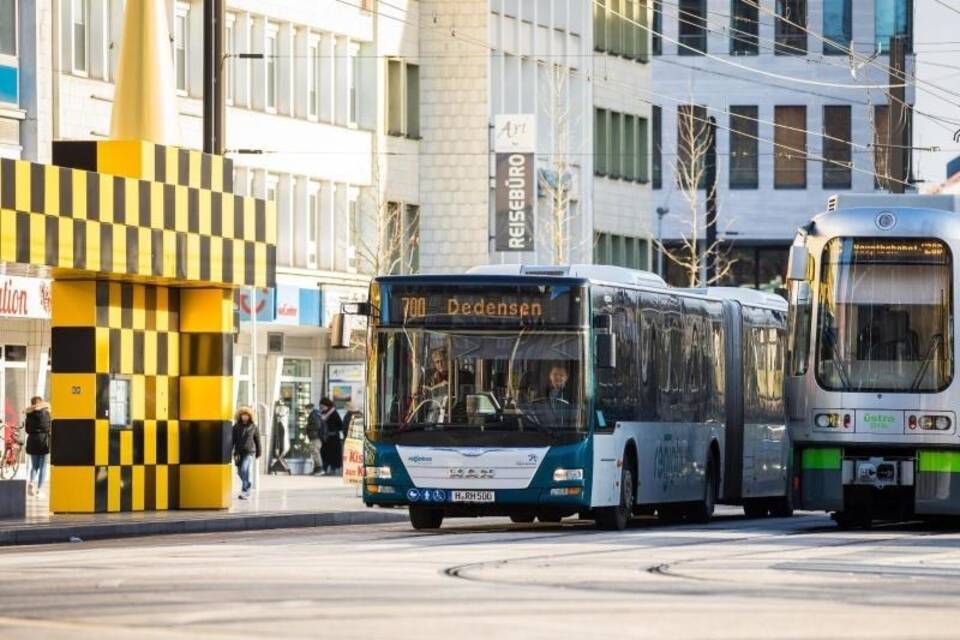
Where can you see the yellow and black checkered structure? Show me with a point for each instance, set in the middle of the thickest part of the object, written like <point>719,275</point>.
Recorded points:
<point>147,244</point>
<point>175,222</point>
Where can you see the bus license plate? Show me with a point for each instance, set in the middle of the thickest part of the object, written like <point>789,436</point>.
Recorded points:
<point>472,496</point>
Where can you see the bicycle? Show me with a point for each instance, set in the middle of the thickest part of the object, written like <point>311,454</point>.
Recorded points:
<point>13,451</point>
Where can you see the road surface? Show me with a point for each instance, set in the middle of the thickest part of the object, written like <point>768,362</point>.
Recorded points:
<point>736,578</point>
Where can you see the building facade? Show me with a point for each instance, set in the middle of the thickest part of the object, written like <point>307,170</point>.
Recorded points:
<point>572,66</point>
<point>310,124</point>
<point>797,119</point>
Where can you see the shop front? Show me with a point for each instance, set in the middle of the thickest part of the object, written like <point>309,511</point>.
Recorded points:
<point>295,366</point>
<point>24,343</point>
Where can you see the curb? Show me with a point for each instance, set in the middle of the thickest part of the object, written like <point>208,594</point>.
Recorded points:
<point>51,534</point>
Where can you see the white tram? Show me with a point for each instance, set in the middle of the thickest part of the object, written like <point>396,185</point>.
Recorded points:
<point>871,396</point>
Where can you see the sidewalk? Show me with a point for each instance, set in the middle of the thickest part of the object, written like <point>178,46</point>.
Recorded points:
<point>280,502</point>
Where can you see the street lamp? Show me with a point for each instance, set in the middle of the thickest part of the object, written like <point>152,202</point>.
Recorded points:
<point>661,212</point>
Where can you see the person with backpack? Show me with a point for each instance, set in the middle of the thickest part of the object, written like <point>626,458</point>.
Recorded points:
<point>37,426</point>
<point>246,447</point>
<point>315,435</point>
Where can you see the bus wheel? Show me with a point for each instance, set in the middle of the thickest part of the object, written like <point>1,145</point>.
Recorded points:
<point>425,517</point>
<point>755,508</point>
<point>522,518</point>
<point>616,518</point>
<point>702,511</point>
<point>781,507</point>
<point>550,517</point>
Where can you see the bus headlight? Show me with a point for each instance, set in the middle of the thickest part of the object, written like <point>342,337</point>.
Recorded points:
<point>380,473</point>
<point>566,475</point>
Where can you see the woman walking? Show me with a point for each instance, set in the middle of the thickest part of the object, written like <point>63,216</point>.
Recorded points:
<point>246,448</point>
<point>38,443</point>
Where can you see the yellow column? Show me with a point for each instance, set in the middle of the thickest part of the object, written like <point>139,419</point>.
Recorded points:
<point>206,397</point>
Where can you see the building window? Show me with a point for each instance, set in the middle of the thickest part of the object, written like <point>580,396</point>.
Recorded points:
<point>403,99</point>
<point>181,38</point>
<point>790,148</point>
<point>313,79</point>
<point>615,148</point>
<point>272,51</point>
<point>403,228</point>
<point>656,35</point>
<point>893,18</point>
<point>656,149</point>
<point>413,101</point>
<point>693,136</point>
<point>354,87</point>
<point>230,49</point>
<point>630,147</point>
<point>743,148</point>
<point>882,146</point>
<point>81,34</point>
<point>619,28</point>
<point>599,26</point>
<point>837,26</point>
<point>836,147</point>
<point>692,26</point>
<point>643,146</point>
<point>744,27</point>
<point>620,251</point>
<point>790,24</point>
<point>353,233</point>
<point>313,223</point>
<point>8,27</point>
<point>600,142</point>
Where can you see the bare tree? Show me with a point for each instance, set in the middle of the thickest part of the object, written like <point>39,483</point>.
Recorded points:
<point>556,183</point>
<point>386,234</point>
<point>689,251</point>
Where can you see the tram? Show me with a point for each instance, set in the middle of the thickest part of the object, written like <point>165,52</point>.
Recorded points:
<point>870,387</point>
<point>545,392</point>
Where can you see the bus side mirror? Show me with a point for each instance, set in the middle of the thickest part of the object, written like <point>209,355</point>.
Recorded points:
<point>797,267</point>
<point>606,351</point>
<point>340,331</point>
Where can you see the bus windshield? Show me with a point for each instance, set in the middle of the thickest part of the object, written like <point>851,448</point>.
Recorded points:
<point>529,381</point>
<point>885,316</point>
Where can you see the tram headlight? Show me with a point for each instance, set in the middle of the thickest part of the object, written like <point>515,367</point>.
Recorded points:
<point>934,423</point>
<point>829,420</point>
<point>566,475</point>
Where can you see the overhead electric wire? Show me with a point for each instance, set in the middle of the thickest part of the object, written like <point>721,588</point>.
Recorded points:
<point>807,155</point>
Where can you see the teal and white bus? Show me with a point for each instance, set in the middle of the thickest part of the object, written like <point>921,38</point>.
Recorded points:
<point>545,392</point>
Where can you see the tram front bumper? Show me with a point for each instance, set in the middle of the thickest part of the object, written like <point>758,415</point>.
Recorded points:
<point>832,480</point>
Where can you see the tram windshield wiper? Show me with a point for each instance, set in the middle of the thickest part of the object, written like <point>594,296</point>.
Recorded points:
<point>935,340</point>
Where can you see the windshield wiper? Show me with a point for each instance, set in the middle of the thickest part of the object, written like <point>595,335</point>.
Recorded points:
<point>935,340</point>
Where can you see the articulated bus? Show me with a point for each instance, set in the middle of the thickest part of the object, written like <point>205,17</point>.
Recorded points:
<point>871,393</point>
<point>546,392</point>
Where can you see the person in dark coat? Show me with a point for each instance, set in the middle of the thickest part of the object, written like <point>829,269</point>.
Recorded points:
<point>38,443</point>
<point>315,436</point>
<point>246,447</point>
<point>332,449</point>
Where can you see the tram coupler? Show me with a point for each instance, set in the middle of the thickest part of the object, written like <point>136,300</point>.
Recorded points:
<point>878,472</point>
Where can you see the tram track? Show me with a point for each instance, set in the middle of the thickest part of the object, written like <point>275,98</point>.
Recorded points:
<point>686,583</point>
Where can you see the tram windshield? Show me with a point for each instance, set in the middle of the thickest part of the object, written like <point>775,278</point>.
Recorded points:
<point>466,382</point>
<point>885,315</point>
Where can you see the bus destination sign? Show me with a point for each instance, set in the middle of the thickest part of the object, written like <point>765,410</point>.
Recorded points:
<point>422,305</point>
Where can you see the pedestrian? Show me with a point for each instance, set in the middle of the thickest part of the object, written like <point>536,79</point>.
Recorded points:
<point>315,436</point>
<point>332,448</point>
<point>38,443</point>
<point>246,447</point>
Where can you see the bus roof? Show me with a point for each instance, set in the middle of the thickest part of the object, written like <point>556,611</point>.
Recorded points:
<point>592,272</point>
<point>748,297</point>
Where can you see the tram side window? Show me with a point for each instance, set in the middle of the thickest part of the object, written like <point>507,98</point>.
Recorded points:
<point>762,368</point>
<point>801,306</point>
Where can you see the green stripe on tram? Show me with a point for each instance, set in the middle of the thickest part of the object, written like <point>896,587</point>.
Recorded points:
<point>821,459</point>
<point>939,461</point>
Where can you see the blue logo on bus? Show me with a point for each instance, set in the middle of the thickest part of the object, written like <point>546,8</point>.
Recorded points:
<point>413,495</point>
